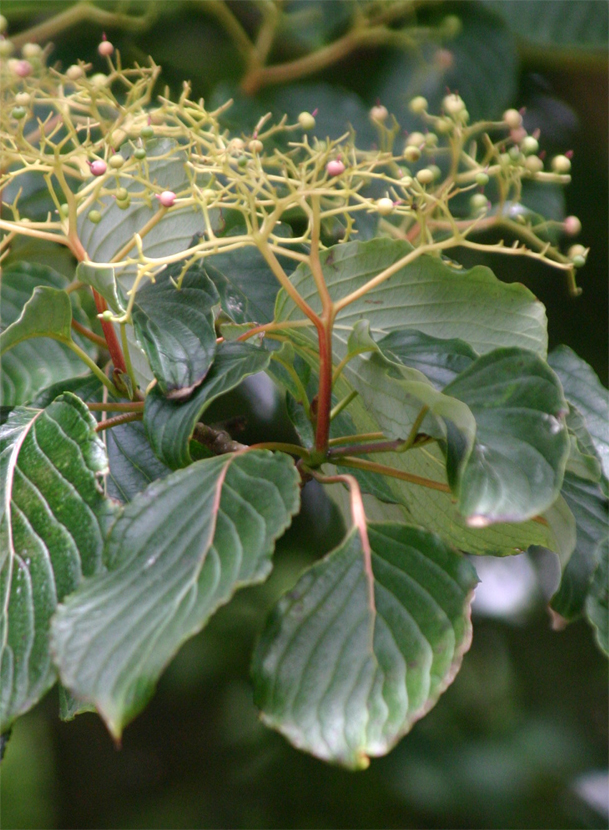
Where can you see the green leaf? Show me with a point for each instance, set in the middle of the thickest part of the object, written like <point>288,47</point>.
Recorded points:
<point>584,389</point>
<point>133,464</point>
<point>170,424</point>
<point>175,328</point>
<point>164,579</point>
<point>87,388</point>
<point>516,466</point>
<point>29,367</point>
<point>557,23</point>
<point>53,521</point>
<point>246,285</point>
<point>590,510</point>
<point>345,682</point>
<point>436,510</point>
<point>428,296</point>
<point>597,604</point>
<point>103,280</point>
<point>439,360</point>
<point>48,313</point>
<point>395,394</point>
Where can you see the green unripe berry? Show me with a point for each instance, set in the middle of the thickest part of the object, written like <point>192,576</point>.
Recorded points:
<point>306,121</point>
<point>242,161</point>
<point>18,113</point>
<point>94,216</point>
<point>412,154</point>
<point>121,194</point>
<point>561,164</point>
<point>478,203</point>
<point>431,140</point>
<point>64,210</point>
<point>147,132</point>
<point>435,170</point>
<point>514,153</point>
<point>123,204</point>
<point>6,48</point>
<point>384,206</point>
<point>529,145</point>
<point>533,164</point>
<point>579,262</point>
<point>513,119</point>
<point>481,179</point>
<point>208,194</point>
<point>504,158</point>
<point>425,176</point>
<point>418,105</point>
<point>116,161</point>
<point>23,99</point>
<point>451,26</point>
<point>139,153</point>
<point>444,125</point>
<point>106,315</point>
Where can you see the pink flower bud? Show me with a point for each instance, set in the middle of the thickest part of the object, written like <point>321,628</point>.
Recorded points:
<point>572,226</point>
<point>167,198</point>
<point>105,48</point>
<point>22,68</point>
<point>98,167</point>
<point>335,167</point>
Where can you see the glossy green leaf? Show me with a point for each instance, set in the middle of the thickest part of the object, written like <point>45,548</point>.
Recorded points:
<point>395,394</point>
<point>30,366</point>
<point>439,360</point>
<point>345,682</point>
<point>516,466</point>
<point>170,424</point>
<point>434,509</point>
<point>175,328</point>
<point>590,510</point>
<point>53,521</point>
<point>114,636</point>
<point>428,296</point>
<point>132,462</point>
<point>557,23</point>
<point>584,390</point>
<point>597,604</point>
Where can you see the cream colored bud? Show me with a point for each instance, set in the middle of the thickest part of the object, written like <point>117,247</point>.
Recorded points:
<point>513,119</point>
<point>379,113</point>
<point>384,206</point>
<point>425,176</point>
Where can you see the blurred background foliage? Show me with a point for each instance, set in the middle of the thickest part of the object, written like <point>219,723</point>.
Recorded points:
<point>520,739</point>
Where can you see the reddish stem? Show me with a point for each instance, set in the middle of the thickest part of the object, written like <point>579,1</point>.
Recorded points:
<point>324,395</point>
<point>116,353</point>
